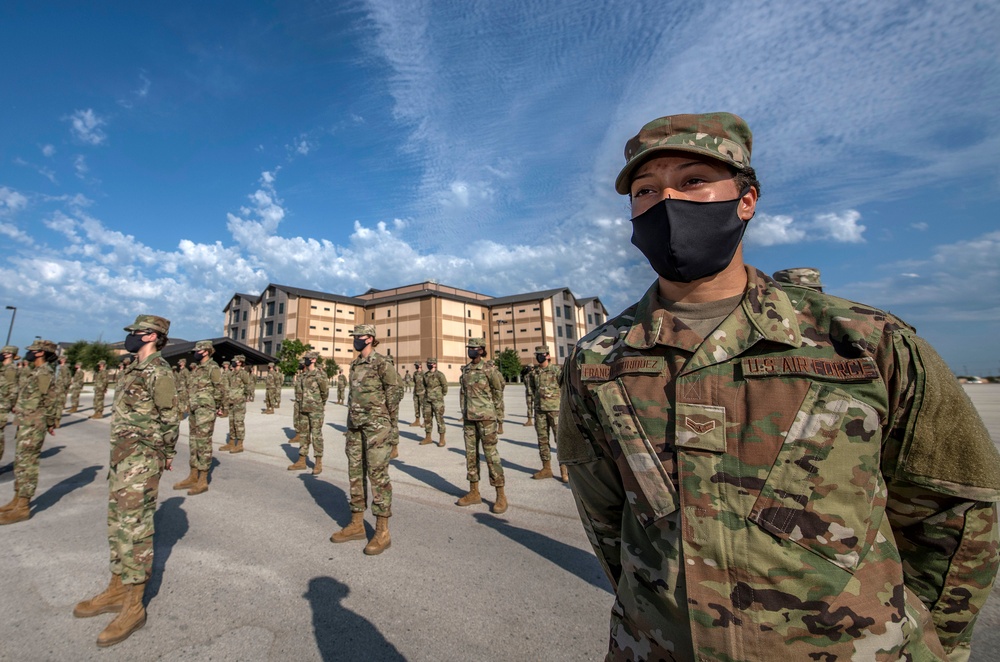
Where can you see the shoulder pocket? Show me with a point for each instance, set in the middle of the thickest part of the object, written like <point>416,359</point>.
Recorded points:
<point>825,491</point>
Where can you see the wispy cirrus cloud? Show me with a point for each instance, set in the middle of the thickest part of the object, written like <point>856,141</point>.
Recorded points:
<point>86,127</point>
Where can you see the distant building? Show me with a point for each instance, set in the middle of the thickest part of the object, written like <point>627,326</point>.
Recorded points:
<point>414,322</point>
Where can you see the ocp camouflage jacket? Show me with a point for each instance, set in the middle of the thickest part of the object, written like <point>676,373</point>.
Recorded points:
<point>809,482</point>
<point>480,392</point>
<point>372,397</point>
<point>37,401</point>
<point>547,382</point>
<point>315,389</point>
<point>145,409</point>
<point>435,385</point>
<point>205,385</point>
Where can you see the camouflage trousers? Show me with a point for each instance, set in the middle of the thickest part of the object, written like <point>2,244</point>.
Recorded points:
<point>340,393</point>
<point>99,402</point>
<point>368,450</point>
<point>311,433</point>
<point>237,421</point>
<point>74,397</point>
<point>4,415</point>
<point>29,439</point>
<point>545,421</point>
<point>529,401</point>
<point>272,398</point>
<point>133,485</point>
<point>201,427</point>
<point>183,402</point>
<point>298,421</point>
<point>418,406</point>
<point>485,433</point>
<point>394,435</point>
<point>433,408</point>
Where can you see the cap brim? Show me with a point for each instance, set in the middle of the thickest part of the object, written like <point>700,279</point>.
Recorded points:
<point>624,180</point>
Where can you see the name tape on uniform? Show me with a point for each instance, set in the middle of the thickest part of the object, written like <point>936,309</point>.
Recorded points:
<point>630,365</point>
<point>862,369</point>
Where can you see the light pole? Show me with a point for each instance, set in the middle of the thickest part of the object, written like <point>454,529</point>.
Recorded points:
<point>500,341</point>
<point>12,316</point>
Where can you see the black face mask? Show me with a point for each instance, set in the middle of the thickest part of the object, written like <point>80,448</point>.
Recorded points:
<point>430,366</point>
<point>198,358</point>
<point>30,356</point>
<point>307,362</point>
<point>540,358</point>
<point>133,342</point>
<point>685,240</point>
<point>473,352</point>
<point>360,344</point>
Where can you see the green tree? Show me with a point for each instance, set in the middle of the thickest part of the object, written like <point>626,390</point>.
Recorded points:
<point>90,354</point>
<point>288,356</point>
<point>509,365</point>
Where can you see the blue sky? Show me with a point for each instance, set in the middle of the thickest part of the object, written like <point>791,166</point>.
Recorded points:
<point>159,157</point>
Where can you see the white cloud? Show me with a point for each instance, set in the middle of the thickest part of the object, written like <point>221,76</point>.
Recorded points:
<point>47,173</point>
<point>80,166</point>
<point>48,150</point>
<point>85,126</point>
<point>920,227</point>
<point>11,201</point>
<point>768,230</point>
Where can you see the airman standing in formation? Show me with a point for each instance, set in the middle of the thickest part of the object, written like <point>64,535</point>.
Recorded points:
<point>206,396</point>
<point>480,395</point>
<point>238,389</point>
<point>528,377</point>
<point>100,386</point>
<point>548,380</point>
<point>145,418</point>
<point>314,390</point>
<point>272,388</point>
<point>418,395</point>
<point>75,388</point>
<point>297,422</point>
<point>8,389</point>
<point>397,396</point>
<point>227,373</point>
<point>435,388</point>
<point>37,409</point>
<point>370,410</point>
<point>407,381</point>
<point>341,386</point>
<point>181,380</point>
<point>64,378</point>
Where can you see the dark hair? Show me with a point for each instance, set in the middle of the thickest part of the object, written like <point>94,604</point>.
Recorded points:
<point>746,177</point>
<point>161,341</point>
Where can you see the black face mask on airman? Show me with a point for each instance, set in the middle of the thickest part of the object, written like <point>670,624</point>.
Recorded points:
<point>359,344</point>
<point>540,357</point>
<point>473,352</point>
<point>133,342</point>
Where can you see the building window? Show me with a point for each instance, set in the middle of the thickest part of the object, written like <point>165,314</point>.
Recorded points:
<point>279,328</point>
<point>538,328</point>
<point>339,310</point>
<point>569,331</point>
<point>496,314</point>
<point>470,333</point>
<point>521,310</point>
<point>268,328</point>
<point>326,328</point>
<point>388,313</point>
<point>373,314</point>
<point>568,315</point>
<point>559,331</point>
<point>270,309</point>
<point>338,331</point>
<point>243,334</point>
<point>524,330</point>
<point>558,312</point>
<point>350,312</point>
<point>267,347</point>
<point>535,309</point>
<point>388,332</point>
<point>313,307</point>
<point>326,309</point>
<point>314,328</point>
<point>281,308</point>
<point>468,313</point>
<point>326,349</point>
<point>244,316</point>
<point>562,352</point>
<point>484,315</point>
<point>337,349</point>
<point>590,319</point>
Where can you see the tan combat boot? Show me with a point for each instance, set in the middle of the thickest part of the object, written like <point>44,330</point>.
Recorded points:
<point>500,505</point>
<point>295,439</point>
<point>528,422</point>
<point>415,424</point>
<point>317,466</point>
<point>300,464</point>
<point>500,427</point>
<point>472,498</point>
<point>201,485</point>
<point>269,410</point>
<point>188,482</point>
<point>97,415</point>
<point>353,531</point>
<point>441,441</point>
<point>228,446</point>
<point>131,618</point>
<point>20,512</point>
<point>426,440</point>
<point>108,601</point>
<point>72,410</point>
<point>380,541</point>
<point>395,452</point>
<point>546,471</point>
<point>238,448</point>
<point>563,473</point>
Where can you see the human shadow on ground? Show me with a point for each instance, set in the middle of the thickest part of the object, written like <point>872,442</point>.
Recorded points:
<point>171,524</point>
<point>340,633</point>
<point>291,451</point>
<point>574,561</point>
<point>287,431</point>
<point>428,478</point>
<point>337,427</point>
<point>513,466</point>
<point>49,452</point>
<point>334,502</point>
<point>525,444</point>
<point>52,495</point>
<point>72,421</point>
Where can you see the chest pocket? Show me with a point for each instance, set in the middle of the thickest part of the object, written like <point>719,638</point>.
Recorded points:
<point>651,492</point>
<point>825,491</point>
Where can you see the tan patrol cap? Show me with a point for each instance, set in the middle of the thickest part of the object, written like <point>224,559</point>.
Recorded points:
<point>364,330</point>
<point>150,323</point>
<point>542,349</point>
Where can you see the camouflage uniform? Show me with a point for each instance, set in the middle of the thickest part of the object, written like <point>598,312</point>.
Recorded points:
<point>63,380</point>
<point>480,392</point>
<point>397,397</point>
<point>528,377</point>
<point>418,396</point>
<point>227,374</point>
<point>407,381</point>
<point>238,389</point>
<point>181,380</point>
<point>435,388</point>
<point>272,390</point>
<point>36,411</point>
<point>547,382</point>
<point>100,385</point>
<point>370,409</point>
<point>801,276</point>
<point>8,392</point>
<point>315,391</point>
<point>341,385</point>
<point>805,480</point>
<point>75,388</point>
<point>297,420</point>
<point>206,396</point>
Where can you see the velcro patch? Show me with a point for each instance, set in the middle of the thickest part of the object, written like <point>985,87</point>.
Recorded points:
<point>652,365</point>
<point>841,370</point>
<point>701,427</point>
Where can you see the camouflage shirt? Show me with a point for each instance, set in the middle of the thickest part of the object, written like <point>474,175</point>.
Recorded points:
<point>101,381</point>
<point>546,382</point>
<point>37,397</point>
<point>435,385</point>
<point>8,386</point>
<point>418,383</point>
<point>315,389</point>
<point>480,392</point>
<point>372,397</point>
<point>809,479</point>
<point>145,409</point>
<point>238,386</point>
<point>205,385</point>
<point>77,383</point>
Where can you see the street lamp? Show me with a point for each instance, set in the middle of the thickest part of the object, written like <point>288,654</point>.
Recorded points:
<point>12,316</point>
<point>500,333</point>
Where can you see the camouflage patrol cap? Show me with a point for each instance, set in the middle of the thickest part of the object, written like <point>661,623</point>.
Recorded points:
<point>364,330</point>
<point>204,344</point>
<point>476,342</point>
<point>803,276</point>
<point>239,358</point>
<point>225,364</point>
<point>102,362</point>
<point>150,323</point>
<point>9,349</point>
<point>432,360</point>
<point>43,346</point>
<point>542,349</point>
<point>721,136</point>
<point>311,355</point>
<point>182,361</point>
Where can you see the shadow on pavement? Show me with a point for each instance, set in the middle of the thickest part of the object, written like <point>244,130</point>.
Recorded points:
<point>338,428</point>
<point>504,463</point>
<point>340,633</point>
<point>49,452</point>
<point>287,430</point>
<point>72,421</point>
<point>171,524</point>
<point>329,497</point>
<point>525,444</point>
<point>65,486</point>
<point>292,451</point>
<point>575,561</point>
<point>428,477</point>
